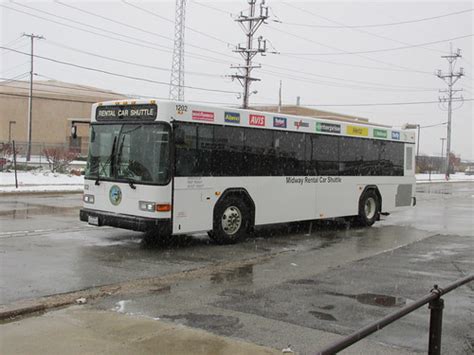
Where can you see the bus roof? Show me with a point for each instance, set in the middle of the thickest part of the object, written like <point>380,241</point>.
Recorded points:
<point>207,114</point>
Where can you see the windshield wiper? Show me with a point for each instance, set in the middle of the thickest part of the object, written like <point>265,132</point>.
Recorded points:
<point>131,183</point>
<point>109,160</point>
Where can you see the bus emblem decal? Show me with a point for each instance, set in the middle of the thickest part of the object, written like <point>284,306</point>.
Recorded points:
<point>232,117</point>
<point>115,195</point>
<point>256,120</point>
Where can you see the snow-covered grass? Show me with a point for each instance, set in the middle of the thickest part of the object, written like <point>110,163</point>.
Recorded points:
<point>458,177</point>
<point>39,181</point>
<point>44,181</point>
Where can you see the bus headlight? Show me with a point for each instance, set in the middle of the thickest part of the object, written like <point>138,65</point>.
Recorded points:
<point>88,198</point>
<point>147,206</point>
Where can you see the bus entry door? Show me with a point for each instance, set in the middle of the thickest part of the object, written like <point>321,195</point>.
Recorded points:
<point>192,205</point>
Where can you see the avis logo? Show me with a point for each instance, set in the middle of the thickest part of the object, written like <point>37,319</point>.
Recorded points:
<point>256,120</point>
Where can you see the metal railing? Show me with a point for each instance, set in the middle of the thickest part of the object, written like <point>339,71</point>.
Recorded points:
<point>436,305</point>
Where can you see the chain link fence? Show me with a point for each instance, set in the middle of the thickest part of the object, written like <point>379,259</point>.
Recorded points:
<point>60,157</point>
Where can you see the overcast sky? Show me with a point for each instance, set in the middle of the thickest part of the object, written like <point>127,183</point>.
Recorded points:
<point>314,40</point>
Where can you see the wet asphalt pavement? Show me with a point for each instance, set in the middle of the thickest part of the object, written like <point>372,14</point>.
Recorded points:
<point>333,280</point>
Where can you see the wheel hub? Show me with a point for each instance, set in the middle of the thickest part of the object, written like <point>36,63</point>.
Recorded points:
<point>231,220</point>
<point>370,208</point>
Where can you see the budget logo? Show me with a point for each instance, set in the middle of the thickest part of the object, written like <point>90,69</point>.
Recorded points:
<point>396,135</point>
<point>232,117</point>
<point>279,122</point>
<point>301,123</point>
<point>256,120</point>
<point>203,116</point>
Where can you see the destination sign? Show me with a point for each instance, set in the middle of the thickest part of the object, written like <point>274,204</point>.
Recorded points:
<point>138,112</point>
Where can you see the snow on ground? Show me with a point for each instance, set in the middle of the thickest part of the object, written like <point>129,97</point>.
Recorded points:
<point>426,178</point>
<point>44,181</point>
<point>39,181</point>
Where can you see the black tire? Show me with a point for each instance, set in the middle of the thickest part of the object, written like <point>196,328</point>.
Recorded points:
<point>369,209</point>
<point>231,221</point>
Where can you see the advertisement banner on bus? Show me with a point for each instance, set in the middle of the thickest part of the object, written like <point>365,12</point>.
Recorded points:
<point>396,135</point>
<point>256,120</point>
<point>203,116</point>
<point>301,123</point>
<point>380,133</point>
<point>357,131</point>
<point>279,122</point>
<point>232,117</point>
<point>328,127</point>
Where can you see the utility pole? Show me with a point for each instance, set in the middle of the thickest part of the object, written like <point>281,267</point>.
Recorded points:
<point>279,98</point>
<point>30,97</point>
<point>450,79</point>
<point>177,65</point>
<point>250,24</point>
<point>442,147</point>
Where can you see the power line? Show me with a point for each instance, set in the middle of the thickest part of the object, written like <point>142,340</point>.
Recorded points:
<point>381,24</point>
<point>133,27</point>
<point>355,29</point>
<point>117,60</point>
<point>48,98</point>
<point>138,42</point>
<point>342,85</point>
<point>382,104</point>
<point>388,49</point>
<point>117,74</point>
<point>149,12</point>
<point>211,7</point>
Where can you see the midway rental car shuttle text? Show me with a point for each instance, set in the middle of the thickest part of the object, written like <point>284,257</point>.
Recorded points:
<point>175,168</point>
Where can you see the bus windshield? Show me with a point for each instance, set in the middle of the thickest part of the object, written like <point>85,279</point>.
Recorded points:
<point>137,153</point>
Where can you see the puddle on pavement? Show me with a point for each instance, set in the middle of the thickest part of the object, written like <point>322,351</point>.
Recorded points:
<point>243,274</point>
<point>26,211</point>
<point>374,299</point>
<point>225,325</point>
<point>323,316</point>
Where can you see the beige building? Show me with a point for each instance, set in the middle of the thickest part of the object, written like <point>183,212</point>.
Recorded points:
<point>55,105</point>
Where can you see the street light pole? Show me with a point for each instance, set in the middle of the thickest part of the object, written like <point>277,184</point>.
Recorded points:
<point>10,130</point>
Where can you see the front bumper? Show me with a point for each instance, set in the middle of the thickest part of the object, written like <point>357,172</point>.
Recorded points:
<point>141,224</point>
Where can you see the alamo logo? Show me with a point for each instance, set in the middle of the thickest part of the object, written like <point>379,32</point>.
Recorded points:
<point>232,117</point>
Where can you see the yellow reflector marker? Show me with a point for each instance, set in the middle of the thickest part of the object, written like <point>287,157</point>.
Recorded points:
<point>100,104</point>
<point>117,103</point>
<point>152,102</point>
<point>165,207</point>
<point>217,193</point>
<point>133,102</point>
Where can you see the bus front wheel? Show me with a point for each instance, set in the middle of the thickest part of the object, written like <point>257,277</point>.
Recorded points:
<point>369,209</point>
<point>231,221</point>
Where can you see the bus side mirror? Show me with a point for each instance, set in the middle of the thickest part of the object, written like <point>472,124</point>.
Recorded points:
<point>179,137</point>
<point>74,131</point>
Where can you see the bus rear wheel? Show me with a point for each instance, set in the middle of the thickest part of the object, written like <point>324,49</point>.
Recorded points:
<point>369,209</point>
<point>231,221</point>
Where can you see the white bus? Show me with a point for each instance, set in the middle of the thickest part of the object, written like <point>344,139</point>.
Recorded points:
<point>174,168</point>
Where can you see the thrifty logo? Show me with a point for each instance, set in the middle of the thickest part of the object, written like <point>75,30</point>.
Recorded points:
<point>256,120</point>
<point>380,133</point>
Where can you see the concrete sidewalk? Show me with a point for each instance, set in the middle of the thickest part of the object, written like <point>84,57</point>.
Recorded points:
<point>80,330</point>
